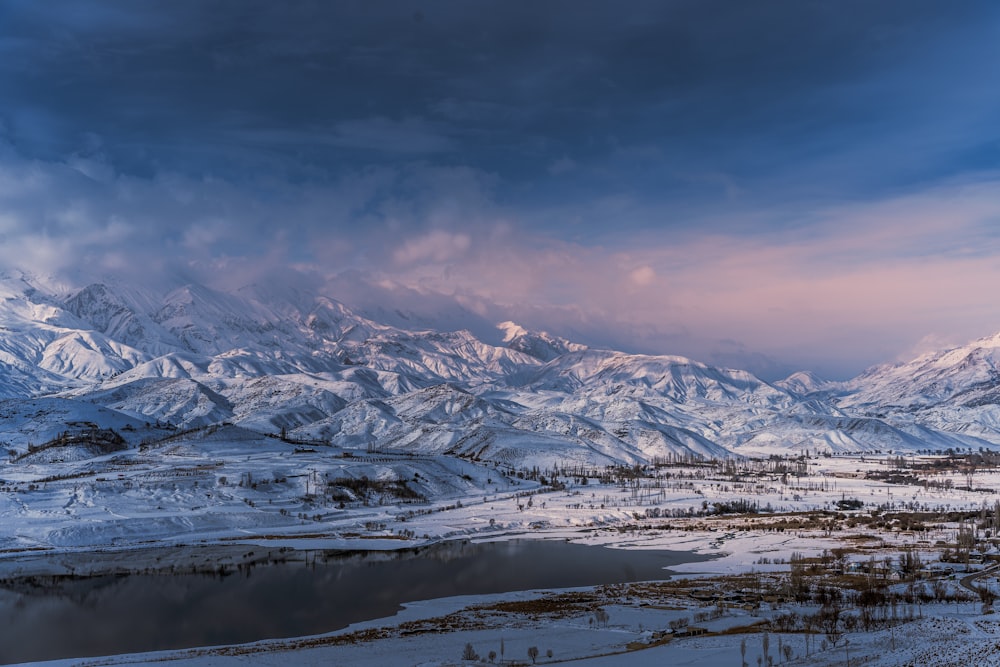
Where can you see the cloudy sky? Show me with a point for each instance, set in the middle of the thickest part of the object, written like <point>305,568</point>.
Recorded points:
<point>771,184</point>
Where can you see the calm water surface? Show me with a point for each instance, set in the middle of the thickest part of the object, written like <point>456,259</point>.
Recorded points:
<point>46,618</point>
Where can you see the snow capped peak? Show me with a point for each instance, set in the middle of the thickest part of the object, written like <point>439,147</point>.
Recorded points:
<point>803,382</point>
<point>987,342</point>
<point>17,283</point>
<point>511,330</point>
<point>540,344</point>
<point>963,376</point>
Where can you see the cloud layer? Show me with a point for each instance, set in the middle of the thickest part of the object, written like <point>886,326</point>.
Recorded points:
<point>779,185</point>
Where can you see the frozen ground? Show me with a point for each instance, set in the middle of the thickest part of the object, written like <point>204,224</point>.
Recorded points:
<point>228,484</point>
<point>226,489</point>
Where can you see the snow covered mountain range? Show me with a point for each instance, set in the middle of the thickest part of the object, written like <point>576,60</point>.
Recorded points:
<point>277,360</point>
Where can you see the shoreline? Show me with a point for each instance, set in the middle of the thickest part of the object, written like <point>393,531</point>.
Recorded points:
<point>46,588</point>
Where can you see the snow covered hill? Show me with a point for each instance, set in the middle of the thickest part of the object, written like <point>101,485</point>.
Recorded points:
<point>966,376</point>
<point>540,344</point>
<point>272,359</point>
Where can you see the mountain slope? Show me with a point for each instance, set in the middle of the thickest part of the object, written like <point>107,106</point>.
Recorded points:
<point>967,376</point>
<point>955,390</point>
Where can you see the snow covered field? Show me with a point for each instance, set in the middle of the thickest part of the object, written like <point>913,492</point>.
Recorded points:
<point>227,487</point>
<point>226,483</point>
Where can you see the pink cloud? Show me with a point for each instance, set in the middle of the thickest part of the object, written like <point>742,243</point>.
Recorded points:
<point>857,285</point>
<point>847,286</point>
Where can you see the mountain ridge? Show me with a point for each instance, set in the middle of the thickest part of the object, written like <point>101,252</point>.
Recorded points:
<point>275,359</point>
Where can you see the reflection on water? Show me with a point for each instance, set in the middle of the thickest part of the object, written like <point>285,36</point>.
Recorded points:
<point>56,617</point>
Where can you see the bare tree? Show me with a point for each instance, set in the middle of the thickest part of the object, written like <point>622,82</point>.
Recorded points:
<point>676,624</point>
<point>910,563</point>
<point>533,653</point>
<point>966,541</point>
<point>469,653</point>
<point>987,597</point>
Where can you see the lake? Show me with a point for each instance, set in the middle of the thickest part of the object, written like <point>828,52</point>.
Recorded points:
<point>78,616</point>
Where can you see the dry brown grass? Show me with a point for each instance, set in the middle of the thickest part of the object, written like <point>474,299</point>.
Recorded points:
<point>554,605</point>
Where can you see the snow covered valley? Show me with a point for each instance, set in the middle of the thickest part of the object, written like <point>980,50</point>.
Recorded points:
<point>196,435</point>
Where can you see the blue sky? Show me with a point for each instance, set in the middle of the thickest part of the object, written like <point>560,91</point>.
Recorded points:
<point>773,185</point>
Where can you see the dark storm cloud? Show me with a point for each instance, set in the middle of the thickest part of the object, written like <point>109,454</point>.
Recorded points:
<point>234,86</point>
